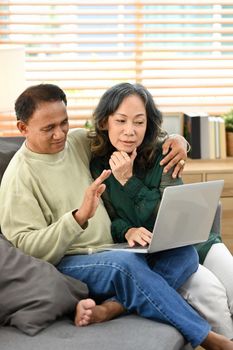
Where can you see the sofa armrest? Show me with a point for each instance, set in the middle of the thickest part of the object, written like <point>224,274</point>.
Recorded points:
<point>8,147</point>
<point>214,237</point>
<point>216,227</point>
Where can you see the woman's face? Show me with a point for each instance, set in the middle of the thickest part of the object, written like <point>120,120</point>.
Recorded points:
<point>127,126</point>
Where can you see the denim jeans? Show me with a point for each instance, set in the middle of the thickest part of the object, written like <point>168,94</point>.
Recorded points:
<point>143,283</point>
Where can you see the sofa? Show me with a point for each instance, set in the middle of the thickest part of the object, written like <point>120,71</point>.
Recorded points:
<point>125,332</point>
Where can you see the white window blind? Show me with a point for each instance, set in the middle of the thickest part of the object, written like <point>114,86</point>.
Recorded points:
<point>181,50</point>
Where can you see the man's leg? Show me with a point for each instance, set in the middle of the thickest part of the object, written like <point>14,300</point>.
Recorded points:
<point>139,289</point>
<point>88,312</point>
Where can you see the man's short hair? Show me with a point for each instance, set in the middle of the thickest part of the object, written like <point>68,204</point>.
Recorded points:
<point>30,99</point>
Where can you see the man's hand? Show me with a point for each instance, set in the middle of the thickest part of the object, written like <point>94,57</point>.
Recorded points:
<point>91,199</point>
<point>121,165</point>
<point>139,235</point>
<point>175,148</point>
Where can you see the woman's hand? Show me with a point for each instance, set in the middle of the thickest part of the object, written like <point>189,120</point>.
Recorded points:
<point>91,199</point>
<point>121,165</point>
<point>175,148</point>
<point>138,235</point>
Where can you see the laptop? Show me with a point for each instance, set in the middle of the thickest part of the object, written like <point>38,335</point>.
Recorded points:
<point>185,217</point>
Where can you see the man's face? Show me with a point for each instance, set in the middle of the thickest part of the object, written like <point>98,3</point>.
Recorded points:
<point>47,128</point>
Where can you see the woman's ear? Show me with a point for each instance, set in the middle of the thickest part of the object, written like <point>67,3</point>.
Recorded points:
<point>103,125</point>
<point>22,127</point>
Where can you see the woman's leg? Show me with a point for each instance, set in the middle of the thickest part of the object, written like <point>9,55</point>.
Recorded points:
<point>220,261</point>
<point>202,288</point>
<point>175,265</point>
<point>139,289</point>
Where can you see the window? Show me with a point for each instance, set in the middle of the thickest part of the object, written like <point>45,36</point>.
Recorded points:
<point>182,51</point>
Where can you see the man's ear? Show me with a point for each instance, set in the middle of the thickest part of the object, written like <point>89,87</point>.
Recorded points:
<point>22,127</point>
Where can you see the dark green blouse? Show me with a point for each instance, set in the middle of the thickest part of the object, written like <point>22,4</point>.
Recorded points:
<point>136,203</point>
<point>133,205</point>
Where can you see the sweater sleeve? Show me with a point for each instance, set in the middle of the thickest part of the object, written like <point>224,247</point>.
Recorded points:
<point>30,231</point>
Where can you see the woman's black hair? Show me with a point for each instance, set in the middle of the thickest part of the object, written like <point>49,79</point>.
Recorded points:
<point>108,104</point>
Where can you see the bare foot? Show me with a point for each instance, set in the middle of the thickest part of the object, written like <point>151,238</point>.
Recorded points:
<point>216,341</point>
<point>88,312</point>
<point>84,310</point>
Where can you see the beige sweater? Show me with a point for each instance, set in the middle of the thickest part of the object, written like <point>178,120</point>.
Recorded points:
<point>37,196</point>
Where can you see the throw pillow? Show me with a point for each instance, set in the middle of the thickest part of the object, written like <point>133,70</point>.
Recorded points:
<point>33,293</point>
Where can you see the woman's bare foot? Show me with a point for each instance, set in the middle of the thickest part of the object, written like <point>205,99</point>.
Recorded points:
<point>88,312</point>
<point>216,341</point>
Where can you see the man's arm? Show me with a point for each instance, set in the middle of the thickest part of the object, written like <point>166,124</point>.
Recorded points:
<point>25,224</point>
<point>175,151</point>
<point>91,199</point>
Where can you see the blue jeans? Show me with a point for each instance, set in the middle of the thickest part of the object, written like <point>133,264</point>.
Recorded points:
<point>143,283</point>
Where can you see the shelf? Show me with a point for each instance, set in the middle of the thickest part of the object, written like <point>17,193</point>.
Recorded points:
<point>198,170</point>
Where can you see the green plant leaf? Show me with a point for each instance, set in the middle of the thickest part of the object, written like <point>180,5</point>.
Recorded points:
<point>228,118</point>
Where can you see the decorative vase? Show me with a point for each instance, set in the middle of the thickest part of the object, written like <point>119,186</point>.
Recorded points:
<point>229,136</point>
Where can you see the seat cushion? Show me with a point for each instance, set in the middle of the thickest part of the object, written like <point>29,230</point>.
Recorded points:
<point>129,332</point>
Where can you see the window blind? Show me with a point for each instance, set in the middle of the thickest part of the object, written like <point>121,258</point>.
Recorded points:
<point>182,51</point>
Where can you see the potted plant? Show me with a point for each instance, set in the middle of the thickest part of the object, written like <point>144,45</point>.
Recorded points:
<point>89,126</point>
<point>228,117</point>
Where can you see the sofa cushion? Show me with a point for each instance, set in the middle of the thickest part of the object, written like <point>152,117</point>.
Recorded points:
<point>129,332</point>
<point>32,292</point>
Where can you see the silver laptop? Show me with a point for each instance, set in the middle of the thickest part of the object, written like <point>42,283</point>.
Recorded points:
<point>185,217</point>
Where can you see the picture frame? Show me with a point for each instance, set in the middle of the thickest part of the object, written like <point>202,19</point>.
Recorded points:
<point>173,123</point>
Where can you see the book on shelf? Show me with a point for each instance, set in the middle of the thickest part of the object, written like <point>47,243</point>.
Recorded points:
<point>206,135</point>
<point>212,137</point>
<point>222,135</point>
